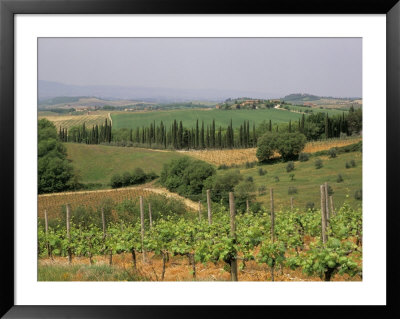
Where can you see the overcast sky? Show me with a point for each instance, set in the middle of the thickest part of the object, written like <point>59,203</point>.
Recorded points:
<point>321,66</point>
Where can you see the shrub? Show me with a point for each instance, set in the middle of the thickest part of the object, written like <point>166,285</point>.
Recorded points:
<point>150,176</point>
<point>276,178</point>
<point>332,152</point>
<point>186,176</point>
<point>292,190</point>
<point>262,190</point>
<point>223,166</point>
<point>116,181</point>
<point>290,166</point>
<point>250,164</point>
<point>126,179</point>
<point>348,165</point>
<point>222,184</point>
<point>244,191</point>
<point>353,163</point>
<point>291,176</point>
<point>310,205</point>
<point>249,179</point>
<point>358,194</point>
<point>318,163</point>
<point>138,176</point>
<point>339,178</point>
<point>330,190</point>
<point>261,172</point>
<point>304,157</point>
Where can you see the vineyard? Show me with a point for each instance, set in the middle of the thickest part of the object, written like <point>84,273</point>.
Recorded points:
<point>53,203</point>
<point>68,121</point>
<point>311,244</point>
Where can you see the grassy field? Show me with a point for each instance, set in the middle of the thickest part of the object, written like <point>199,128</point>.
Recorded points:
<point>330,111</point>
<point>307,180</point>
<point>189,117</point>
<point>97,163</point>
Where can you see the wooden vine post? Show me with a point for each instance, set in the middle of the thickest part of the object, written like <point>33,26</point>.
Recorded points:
<point>142,226</point>
<point>68,233</point>
<point>271,194</point>
<point>291,203</point>
<point>332,206</point>
<point>209,207</point>
<point>103,221</point>
<point>323,215</point>
<point>150,217</point>
<point>234,272</point>
<point>199,211</point>
<point>328,216</point>
<point>247,206</point>
<point>46,228</point>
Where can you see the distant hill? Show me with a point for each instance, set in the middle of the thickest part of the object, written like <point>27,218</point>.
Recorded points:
<point>328,102</point>
<point>300,97</point>
<point>48,90</point>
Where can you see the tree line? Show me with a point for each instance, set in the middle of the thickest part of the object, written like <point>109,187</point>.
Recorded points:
<point>209,136</point>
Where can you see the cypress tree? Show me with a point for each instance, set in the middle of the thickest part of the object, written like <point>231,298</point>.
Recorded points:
<point>254,135</point>
<point>202,135</point>
<point>208,137</point>
<point>213,134</point>
<point>290,126</point>
<point>326,126</point>
<point>220,137</point>
<point>197,134</point>
<point>241,136</point>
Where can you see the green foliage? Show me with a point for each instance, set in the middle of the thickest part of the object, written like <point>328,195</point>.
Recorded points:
<point>327,260</point>
<point>358,194</point>
<point>332,152</point>
<point>292,190</point>
<point>266,145</point>
<point>318,163</point>
<point>138,176</point>
<point>291,177</point>
<point>55,173</point>
<point>221,184</point>
<point>262,190</point>
<point>261,171</point>
<point>304,157</point>
<point>289,166</point>
<point>179,235</point>
<point>310,205</point>
<point>186,176</point>
<point>288,145</point>
<point>339,178</point>
<point>276,178</point>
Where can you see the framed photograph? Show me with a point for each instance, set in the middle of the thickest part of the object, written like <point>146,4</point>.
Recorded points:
<point>160,154</point>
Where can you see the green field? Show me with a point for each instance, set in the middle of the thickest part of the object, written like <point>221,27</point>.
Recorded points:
<point>331,112</point>
<point>97,163</point>
<point>307,180</point>
<point>189,117</point>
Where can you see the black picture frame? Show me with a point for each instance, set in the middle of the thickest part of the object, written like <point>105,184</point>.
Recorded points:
<point>8,8</point>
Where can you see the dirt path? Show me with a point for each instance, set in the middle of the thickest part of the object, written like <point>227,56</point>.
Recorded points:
<point>163,191</point>
<point>109,116</point>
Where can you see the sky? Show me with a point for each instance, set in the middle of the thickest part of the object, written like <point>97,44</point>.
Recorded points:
<point>271,66</point>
